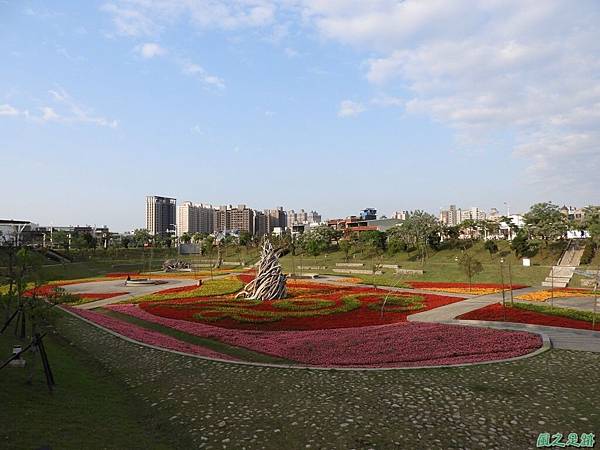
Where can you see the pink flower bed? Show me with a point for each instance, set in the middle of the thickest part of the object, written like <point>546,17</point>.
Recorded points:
<point>146,336</point>
<point>398,345</point>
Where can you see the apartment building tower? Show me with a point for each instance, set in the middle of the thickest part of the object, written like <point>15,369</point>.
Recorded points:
<point>160,215</point>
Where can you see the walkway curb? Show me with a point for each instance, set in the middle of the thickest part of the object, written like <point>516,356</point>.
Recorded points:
<point>546,345</point>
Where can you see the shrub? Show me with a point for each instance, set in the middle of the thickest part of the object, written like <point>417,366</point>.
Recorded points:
<point>588,253</point>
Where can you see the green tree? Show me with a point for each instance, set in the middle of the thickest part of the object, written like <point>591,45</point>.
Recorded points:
<point>125,241</point>
<point>418,228</point>
<point>591,223</point>
<point>373,241</point>
<point>522,246</point>
<point>61,239</point>
<point>345,245</point>
<point>245,238</point>
<point>470,266</point>
<point>545,221</point>
<point>185,238</point>
<point>141,237</point>
<point>491,247</point>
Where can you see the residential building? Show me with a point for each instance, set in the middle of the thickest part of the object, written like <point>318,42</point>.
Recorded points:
<point>261,223</point>
<point>401,215</point>
<point>242,219</point>
<point>160,215</point>
<point>573,213</point>
<point>195,218</point>
<point>276,217</point>
<point>302,217</point>
<point>454,216</point>
<point>368,214</point>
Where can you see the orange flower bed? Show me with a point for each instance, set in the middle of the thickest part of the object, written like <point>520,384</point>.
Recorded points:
<point>473,291</point>
<point>542,296</point>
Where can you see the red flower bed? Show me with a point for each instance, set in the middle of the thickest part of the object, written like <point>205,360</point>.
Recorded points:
<point>49,290</point>
<point>311,306</point>
<point>495,313</point>
<point>436,284</point>
<point>398,345</point>
<point>146,336</point>
<point>176,290</point>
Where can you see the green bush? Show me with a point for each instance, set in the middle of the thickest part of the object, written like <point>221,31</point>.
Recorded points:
<point>588,253</point>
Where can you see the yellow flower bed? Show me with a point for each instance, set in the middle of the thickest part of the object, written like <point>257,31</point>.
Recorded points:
<point>461,290</point>
<point>542,296</point>
<point>352,280</point>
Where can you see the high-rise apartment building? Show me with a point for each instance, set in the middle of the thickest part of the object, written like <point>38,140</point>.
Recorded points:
<point>195,218</point>
<point>276,217</point>
<point>401,215</point>
<point>242,219</point>
<point>160,215</point>
<point>454,216</point>
<point>301,217</point>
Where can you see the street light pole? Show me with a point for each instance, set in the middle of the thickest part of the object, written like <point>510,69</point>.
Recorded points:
<point>510,284</point>
<point>595,299</point>
<point>552,288</point>
<point>503,294</point>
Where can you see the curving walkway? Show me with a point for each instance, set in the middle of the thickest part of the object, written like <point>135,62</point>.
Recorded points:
<point>565,338</point>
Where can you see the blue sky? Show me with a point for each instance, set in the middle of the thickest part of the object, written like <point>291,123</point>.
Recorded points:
<point>328,105</point>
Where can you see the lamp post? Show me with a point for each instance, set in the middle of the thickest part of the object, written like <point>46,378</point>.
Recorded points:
<point>510,283</point>
<point>595,299</point>
<point>552,288</point>
<point>503,294</point>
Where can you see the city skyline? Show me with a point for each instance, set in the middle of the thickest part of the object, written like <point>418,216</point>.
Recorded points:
<point>263,103</point>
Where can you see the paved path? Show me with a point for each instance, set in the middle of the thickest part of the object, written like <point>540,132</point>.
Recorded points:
<point>118,285</point>
<point>565,338</point>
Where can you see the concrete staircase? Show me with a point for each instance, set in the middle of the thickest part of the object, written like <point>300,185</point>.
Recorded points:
<point>561,274</point>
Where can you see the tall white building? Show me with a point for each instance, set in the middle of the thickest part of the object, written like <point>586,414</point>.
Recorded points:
<point>160,215</point>
<point>454,216</point>
<point>195,218</point>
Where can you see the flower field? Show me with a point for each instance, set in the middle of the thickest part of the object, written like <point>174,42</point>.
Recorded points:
<point>144,335</point>
<point>542,296</point>
<point>534,315</point>
<point>54,291</point>
<point>398,345</point>
<point>462,288</point>
<point>309,306</point>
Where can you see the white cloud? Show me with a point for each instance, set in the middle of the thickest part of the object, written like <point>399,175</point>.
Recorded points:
<point>143,17</point>
<point>8,110</point>
<point>192,69</point>
<point>348,108</point>
<point>48,114</point>
<point>150,50</point>
<point>528,70</point>
<point>73,111</point>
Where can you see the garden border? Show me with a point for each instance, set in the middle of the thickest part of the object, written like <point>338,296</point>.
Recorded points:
<point>546,345</point>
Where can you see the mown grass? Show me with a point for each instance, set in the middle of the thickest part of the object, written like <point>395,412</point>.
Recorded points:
<point>209,288</point>
<point>439,266</point>
<point>89,408</point>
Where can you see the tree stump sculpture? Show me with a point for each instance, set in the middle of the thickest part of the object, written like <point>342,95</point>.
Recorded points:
<point>269,283</point>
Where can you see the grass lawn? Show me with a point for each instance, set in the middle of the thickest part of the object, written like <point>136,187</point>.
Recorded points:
<point>90,408</point>
<point>440,266</point>
<point>237,352</point>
